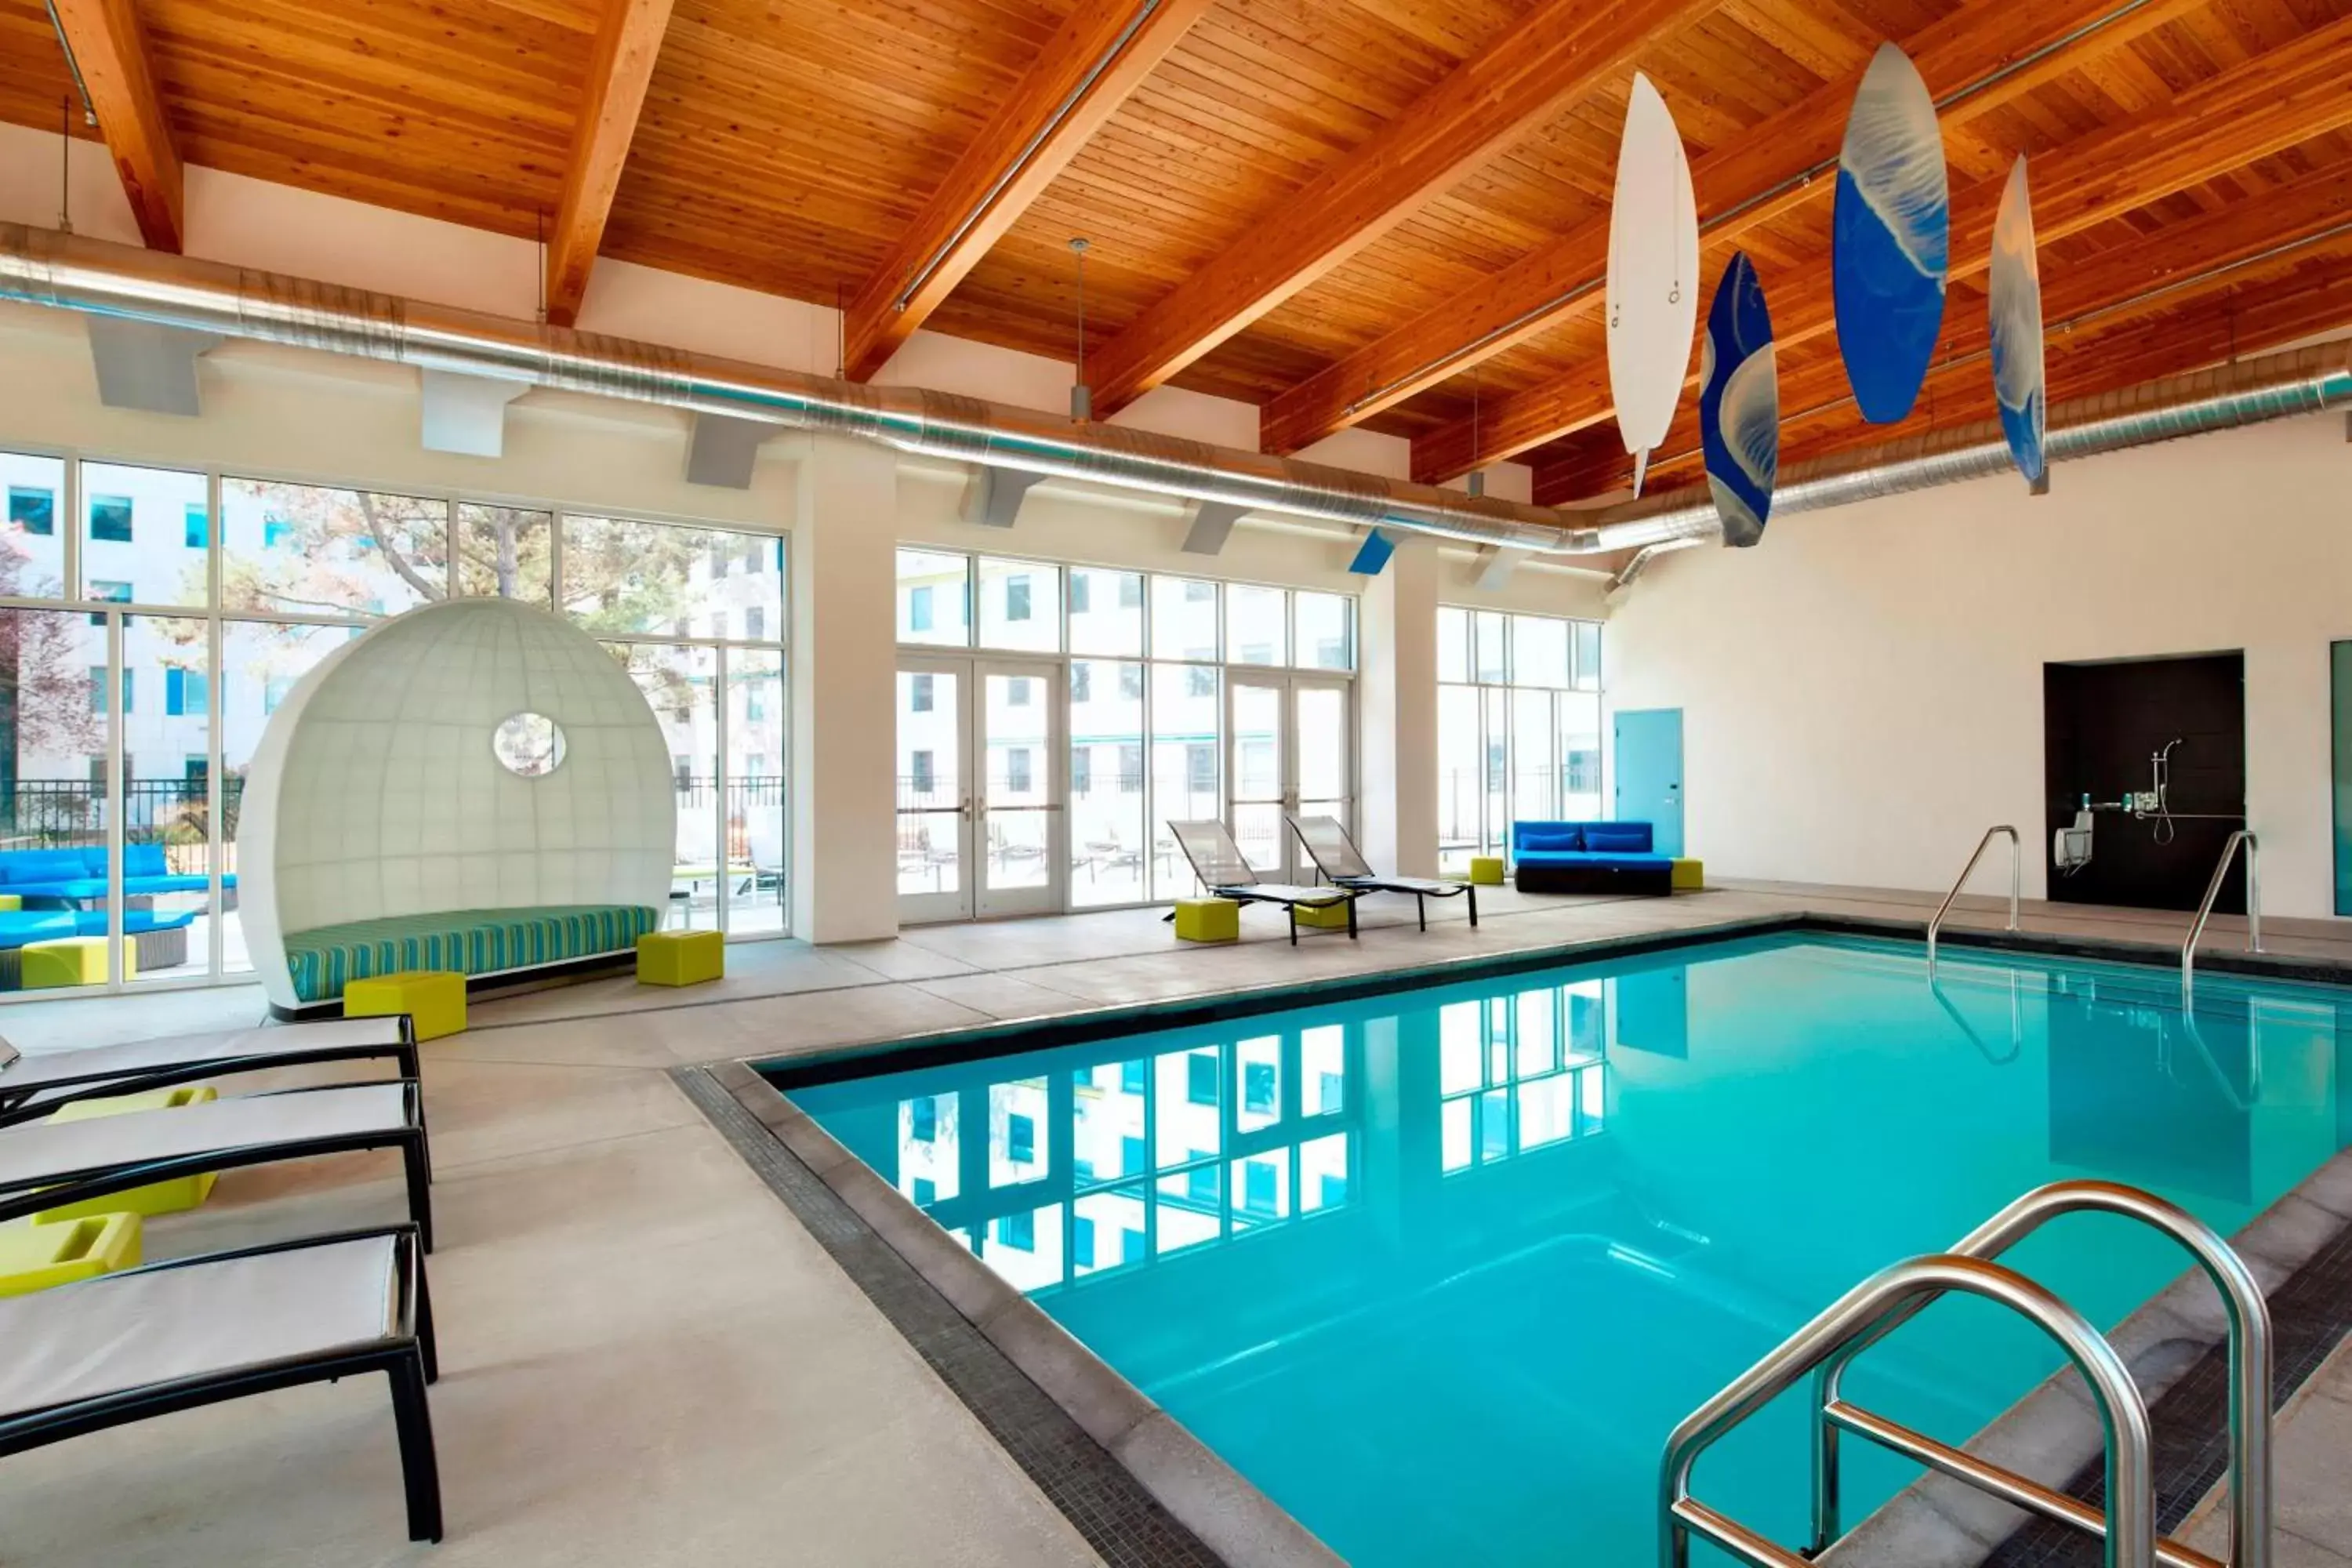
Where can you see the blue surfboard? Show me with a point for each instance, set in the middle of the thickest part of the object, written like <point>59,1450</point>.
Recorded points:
<point>1739,404</point>
<point>2013,299</point>
<point>1891,237</point>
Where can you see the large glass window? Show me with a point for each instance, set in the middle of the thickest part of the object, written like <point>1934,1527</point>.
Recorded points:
<point>190,605</point>
<point>1518,727</point>
<point>1146,693</point>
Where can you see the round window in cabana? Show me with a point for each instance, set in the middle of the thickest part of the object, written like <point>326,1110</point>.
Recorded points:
<point>475,785</point>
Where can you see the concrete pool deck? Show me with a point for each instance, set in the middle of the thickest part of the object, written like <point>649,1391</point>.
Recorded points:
<point>647,1359</point>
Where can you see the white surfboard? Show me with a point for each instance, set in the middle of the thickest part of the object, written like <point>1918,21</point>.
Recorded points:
<point>1653,283</point>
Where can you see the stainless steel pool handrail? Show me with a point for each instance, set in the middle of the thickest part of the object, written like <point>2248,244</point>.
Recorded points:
<point>2205,908</point>
<point>2250,1354</point>
<point>2128,1527</point>
<point>2016,879</point>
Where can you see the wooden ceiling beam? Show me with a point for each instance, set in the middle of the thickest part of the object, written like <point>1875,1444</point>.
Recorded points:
<point>1752,180</point>
<point>628,41</point>
<point>1101,55</point>
<point>2214,330</point>
<point>2257,108</point>
<point>2307,219</point>
<point>111,53</point>
<point>1556,53</point>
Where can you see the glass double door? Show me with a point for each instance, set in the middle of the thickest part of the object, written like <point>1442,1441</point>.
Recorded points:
<point>1291,752</point>
<point>980,788</point>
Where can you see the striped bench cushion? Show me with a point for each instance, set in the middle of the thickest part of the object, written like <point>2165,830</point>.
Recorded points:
<point>471,941</point>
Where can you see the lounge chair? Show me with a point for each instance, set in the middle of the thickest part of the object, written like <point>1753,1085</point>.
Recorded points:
<point>1219,864</point>
<point>120,1348</point>
<point>50,1165</point>
<point>31,1087</point>
<point>1336,856</point>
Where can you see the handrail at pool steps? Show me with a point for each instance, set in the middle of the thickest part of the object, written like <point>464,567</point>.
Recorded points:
<point>2016,875</point>
<point>1826,1346</point>
<point>2245,835</point>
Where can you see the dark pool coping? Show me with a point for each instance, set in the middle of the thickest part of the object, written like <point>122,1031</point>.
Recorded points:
<point>1933,1523</point>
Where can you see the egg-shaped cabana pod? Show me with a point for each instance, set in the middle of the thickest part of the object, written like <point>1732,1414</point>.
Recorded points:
<point>475,785</point>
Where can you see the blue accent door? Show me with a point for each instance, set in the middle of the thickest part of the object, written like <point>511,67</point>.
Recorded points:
<point>1649,743</point>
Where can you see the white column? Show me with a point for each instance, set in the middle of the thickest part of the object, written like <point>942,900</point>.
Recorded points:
<point>1398,729</point>
<point>844,674</point>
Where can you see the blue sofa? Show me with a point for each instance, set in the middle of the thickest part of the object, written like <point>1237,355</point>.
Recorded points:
<point>159,940</point>
<point>1588,858</point>
<point>76,879</point>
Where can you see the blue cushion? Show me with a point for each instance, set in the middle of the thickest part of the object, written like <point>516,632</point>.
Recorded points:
<point>40,865</point>
<point>1631,838</point>
<point>144,887</point>
<point>1551,843</point>
<point>93,923</point>
<point>19,927</point>
<point>140,860</point>
<point>73,887</point>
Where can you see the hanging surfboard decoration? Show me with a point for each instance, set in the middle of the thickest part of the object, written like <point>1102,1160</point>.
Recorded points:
<point>1739,404</point>
<point>1890,240</point>
<point>1652,287</point>
<point>2013,295</point>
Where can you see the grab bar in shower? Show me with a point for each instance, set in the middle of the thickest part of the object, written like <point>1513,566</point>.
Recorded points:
<point>2016,875</point>
<point>2205,908</point>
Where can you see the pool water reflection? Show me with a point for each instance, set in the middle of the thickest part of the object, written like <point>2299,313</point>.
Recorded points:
<point>1439,1270</point>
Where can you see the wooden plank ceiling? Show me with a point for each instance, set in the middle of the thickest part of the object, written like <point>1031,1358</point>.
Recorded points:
<point>1384,212</point>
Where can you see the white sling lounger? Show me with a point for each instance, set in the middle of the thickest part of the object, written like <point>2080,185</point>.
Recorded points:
<point>33,1086</point>
<point>1222,867</point>
<point>1336,856</point>
<point>118,1348</point>
<point>49,1164</point>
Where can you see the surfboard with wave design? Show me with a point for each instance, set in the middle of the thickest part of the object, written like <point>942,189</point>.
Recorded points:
<point>2013,297</point>
<point>1653,285</point>
<point>1890,237</point>
<point>1739,404</point>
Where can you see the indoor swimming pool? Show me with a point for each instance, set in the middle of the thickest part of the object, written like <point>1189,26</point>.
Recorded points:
<point>1438,1269</point>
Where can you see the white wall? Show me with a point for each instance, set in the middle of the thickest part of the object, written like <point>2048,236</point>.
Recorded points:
<point>1862,692</point>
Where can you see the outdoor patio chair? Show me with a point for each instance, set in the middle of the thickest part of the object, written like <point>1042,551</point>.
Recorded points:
<point>1336,856</point>
<point>31,1087</point>
<point>120,1348</point>
<point>1219,865</point>
<point>51,1164</point>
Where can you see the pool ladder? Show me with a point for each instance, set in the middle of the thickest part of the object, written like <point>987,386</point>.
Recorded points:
<point>1825,1347</point>
<point>2205,910</point>
<point>2016,876</point>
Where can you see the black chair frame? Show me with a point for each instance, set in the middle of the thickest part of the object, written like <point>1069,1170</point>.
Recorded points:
<point>408,1360</point>
<point>32,1104</point>
<point>57,1189</point>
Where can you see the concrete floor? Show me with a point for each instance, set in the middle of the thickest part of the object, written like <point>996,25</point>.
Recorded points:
<point>645,1359</point>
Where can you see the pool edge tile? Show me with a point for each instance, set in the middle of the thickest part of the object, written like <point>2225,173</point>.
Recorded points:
<point>1222,1516</point>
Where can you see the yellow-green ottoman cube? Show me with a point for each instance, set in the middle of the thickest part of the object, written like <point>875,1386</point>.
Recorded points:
<point>1689,876</point>
<point>73,961</point>
<point>157,1197</point>
<point>434,999</point>
<point>1325,917</point>
<point>38,1254</point>
<point>12,901</point>
<point>1208,920</point>
<point>680,957</point>
<point>1487,870</point>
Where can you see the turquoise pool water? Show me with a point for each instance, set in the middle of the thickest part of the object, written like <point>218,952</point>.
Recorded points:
<point>1438,1270</point>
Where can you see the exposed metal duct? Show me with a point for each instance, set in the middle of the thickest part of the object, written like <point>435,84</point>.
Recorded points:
<point>2275,386</point>
<point>72,272</point>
